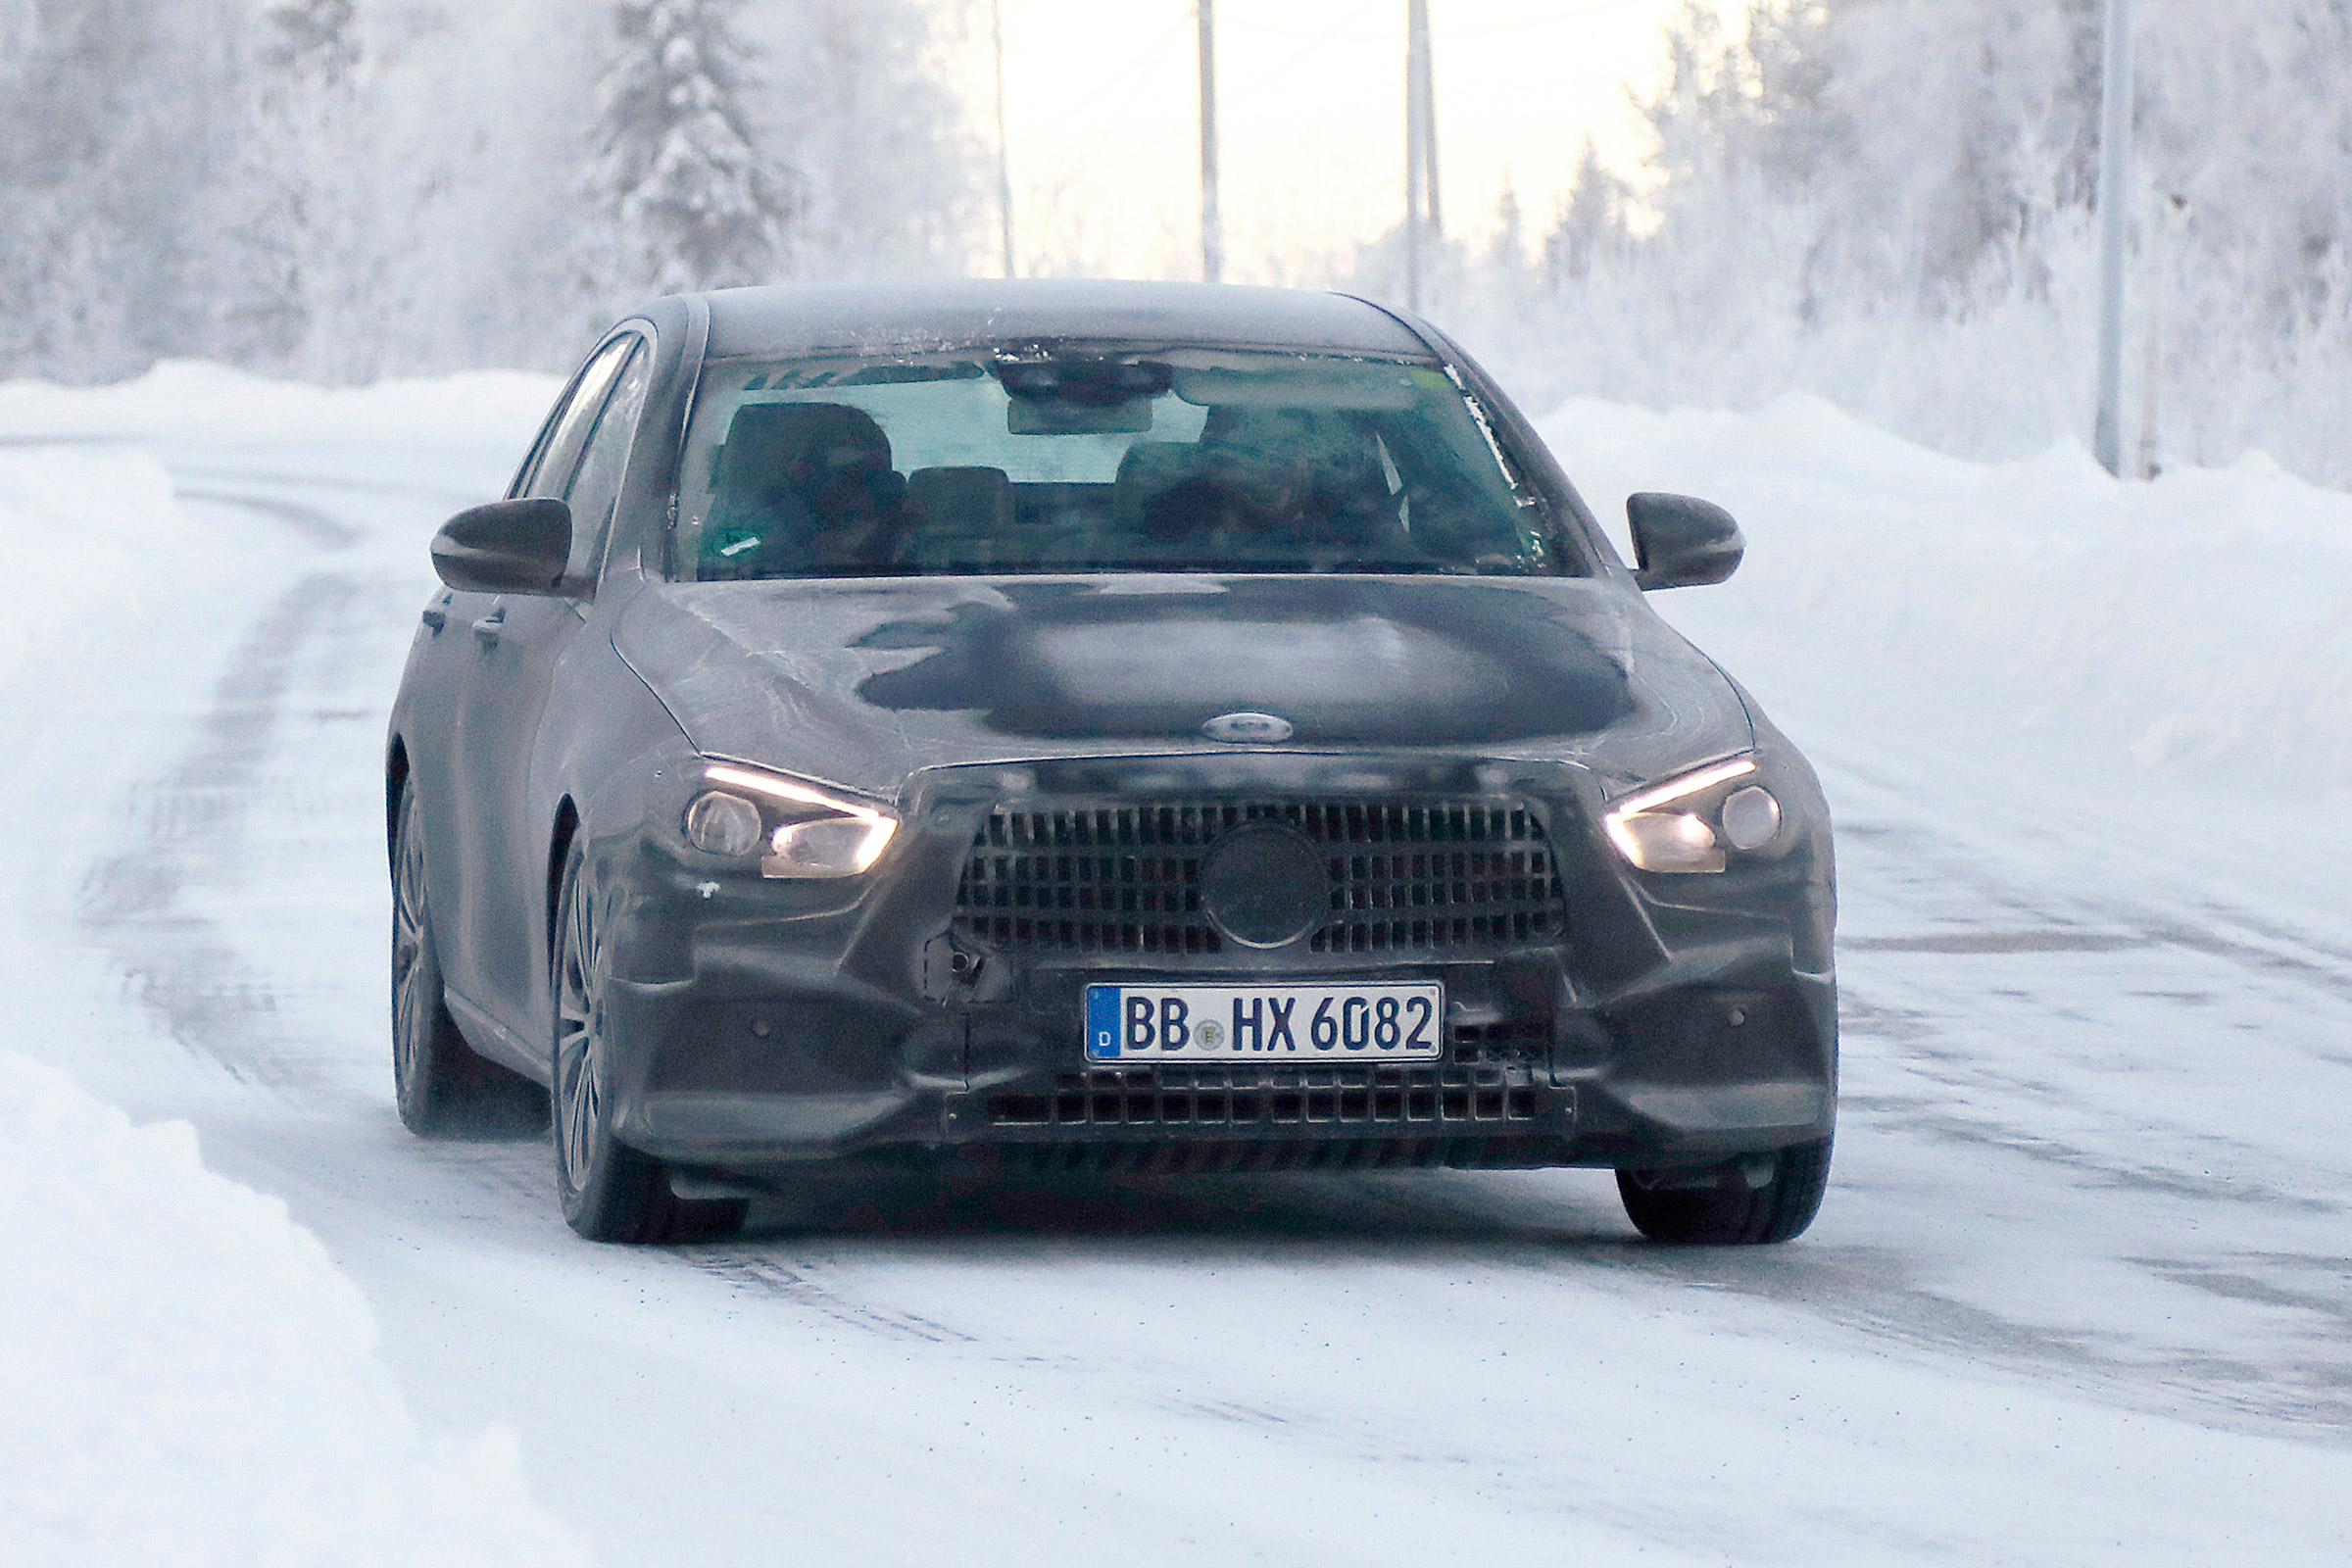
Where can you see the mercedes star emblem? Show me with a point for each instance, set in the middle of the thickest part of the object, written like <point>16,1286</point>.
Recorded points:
<point>1246,729</point>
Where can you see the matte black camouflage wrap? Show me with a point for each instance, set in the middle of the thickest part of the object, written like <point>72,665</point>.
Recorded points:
<point>1454,742</point>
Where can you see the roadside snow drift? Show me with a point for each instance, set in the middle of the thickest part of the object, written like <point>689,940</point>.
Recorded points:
<point>184,1376</point>
<point>2167,664</point>
<point>190,1381</point>
<point>182,401</point>
<point>2199,625</point>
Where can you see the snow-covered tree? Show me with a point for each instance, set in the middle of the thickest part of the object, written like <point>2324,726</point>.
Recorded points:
<point>342,189</point>
<point>1893,204</point>
<point>307,260</point>
<point>1928,137</point>
<point>690,200</point>
<point>1592,222</point>
<point>891,172</point>
<point>110,128</point>
<point>1507,252</point>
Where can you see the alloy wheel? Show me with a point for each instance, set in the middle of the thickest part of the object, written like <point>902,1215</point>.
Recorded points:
<point>579,1023</point>
<point>415,984</point>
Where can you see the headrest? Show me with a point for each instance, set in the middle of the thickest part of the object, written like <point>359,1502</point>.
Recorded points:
<point>778,449</point>
<point>963,499</point>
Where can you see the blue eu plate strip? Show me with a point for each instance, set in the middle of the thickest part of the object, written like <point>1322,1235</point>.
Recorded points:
<point>1102,1023</point>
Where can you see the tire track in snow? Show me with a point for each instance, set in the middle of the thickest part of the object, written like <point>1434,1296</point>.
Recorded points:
<point>797,1284</point>
<point>443,498</point>
<point>183,967</point>
<point>310,523</point>
<point>201,984</point>
<point>2029,1009</point>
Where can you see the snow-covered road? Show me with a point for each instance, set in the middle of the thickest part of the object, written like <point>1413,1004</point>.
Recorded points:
<point>2081,1291</point>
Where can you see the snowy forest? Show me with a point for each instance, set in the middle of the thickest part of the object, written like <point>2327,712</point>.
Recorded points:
<point>1888,203</point>
<point>342,190</point>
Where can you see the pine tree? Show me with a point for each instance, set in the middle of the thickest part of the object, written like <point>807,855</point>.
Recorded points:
<point>298,295</point>
<point>891,178</point>
<point>685,199</point>
<point>1591,226</point>
<point>1507,253</point>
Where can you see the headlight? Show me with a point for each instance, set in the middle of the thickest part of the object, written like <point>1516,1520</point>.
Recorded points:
<point>796,829</point>
<point>720,823</point>
<point>1683,823</point>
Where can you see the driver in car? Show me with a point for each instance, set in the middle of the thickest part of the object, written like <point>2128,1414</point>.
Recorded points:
<point>1308,476</point>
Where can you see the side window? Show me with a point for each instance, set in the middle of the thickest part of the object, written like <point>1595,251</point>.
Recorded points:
<point>596,486</point>
<point>539,445</point>
<point>560,447</point>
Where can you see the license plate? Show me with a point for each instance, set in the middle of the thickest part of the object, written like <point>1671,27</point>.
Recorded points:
<point>1381,1021</point>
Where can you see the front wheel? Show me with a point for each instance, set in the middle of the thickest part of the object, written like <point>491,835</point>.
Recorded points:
<point>1726,1210</point>
<point>609,1192</point>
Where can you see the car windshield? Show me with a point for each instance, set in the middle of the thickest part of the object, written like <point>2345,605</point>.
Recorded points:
<point>1108,459</point>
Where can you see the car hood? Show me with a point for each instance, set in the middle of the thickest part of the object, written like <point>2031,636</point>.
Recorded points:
<point>862,683</point>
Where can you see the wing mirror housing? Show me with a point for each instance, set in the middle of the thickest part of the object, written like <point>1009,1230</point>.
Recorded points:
<point>1681,541</point>
<point>506,547</point>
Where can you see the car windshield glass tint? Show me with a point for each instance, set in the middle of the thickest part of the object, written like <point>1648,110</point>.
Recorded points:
<point>1112,459</point>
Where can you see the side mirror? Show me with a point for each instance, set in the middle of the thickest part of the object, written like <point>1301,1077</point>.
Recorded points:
<point>1681,541</point>
<point>506,547</point>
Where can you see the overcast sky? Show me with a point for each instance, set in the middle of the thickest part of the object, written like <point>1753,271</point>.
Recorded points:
<point>1103,104</point>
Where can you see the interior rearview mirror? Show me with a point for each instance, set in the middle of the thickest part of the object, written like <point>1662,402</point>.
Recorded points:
<point>506,547</point>
<point>1681,541</point>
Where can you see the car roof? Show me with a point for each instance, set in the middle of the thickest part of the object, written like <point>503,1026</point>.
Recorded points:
<point>914,317</point>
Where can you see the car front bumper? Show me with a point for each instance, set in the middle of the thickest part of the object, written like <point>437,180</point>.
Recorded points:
<point>752,1026</point>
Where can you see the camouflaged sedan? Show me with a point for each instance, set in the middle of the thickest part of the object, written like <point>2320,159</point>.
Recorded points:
<point>1091,725</point>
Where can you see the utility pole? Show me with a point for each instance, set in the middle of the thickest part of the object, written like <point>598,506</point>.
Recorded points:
<point>1212,222</point>
<point>1420,147</point>
<point>1433,209</point>
<point>2143,465</point>
<point>2156,248</point>
<point>2115,208</point>
<point>996,22</point>
<point>1414,36</point>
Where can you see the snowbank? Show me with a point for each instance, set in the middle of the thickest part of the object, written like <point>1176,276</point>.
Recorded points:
<point>71,517</point>
<point>2195,632</point>
<point>186,1376</point>
<point>181,400</point>
<point>190,1381</point>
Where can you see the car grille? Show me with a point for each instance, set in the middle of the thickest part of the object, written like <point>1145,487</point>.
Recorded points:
<point>1125,877</point>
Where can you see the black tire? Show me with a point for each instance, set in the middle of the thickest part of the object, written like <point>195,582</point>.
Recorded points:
<point>443,1089</point>
<point>609,1192</point>
<point>1732,1213</point>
